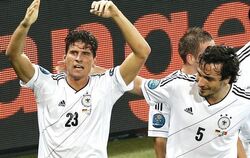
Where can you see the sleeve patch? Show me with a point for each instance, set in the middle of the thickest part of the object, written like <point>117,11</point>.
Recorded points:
<point>152,84</point>
<point>158,120</point>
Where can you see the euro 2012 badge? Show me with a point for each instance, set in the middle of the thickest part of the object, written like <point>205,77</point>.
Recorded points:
<point>152,84</point>
<point>158,120</point>
<point>86,102</point>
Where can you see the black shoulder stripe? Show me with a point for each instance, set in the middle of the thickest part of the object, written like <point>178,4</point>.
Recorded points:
<point>241,59</point>
<point>111,72</point>
<point>159,106</point>
<point>242,89</point>
<point>190,78</point>
<point>241,92</point>
<point>168,79</point>
<point>99,75</point>
<point>244,52</point>
<point>58,76</point>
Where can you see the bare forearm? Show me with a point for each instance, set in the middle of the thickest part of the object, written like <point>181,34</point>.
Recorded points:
<point>240,150</point>
<point>137,86</point>
<point>20,62</point>
<point>17,42</point>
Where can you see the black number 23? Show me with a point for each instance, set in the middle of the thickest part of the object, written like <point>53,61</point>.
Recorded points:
<point>73,119</point>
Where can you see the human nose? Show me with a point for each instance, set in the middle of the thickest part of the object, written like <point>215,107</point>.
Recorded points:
<point>201,81</point>
<point>78,57</point>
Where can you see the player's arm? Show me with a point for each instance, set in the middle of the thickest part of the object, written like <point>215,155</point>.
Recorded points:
<point>137,86</point>
<point>158,127</point>
<point>140,48</point>
<point>160,147</point>
<point>20,62</point>
<point>240,150</point>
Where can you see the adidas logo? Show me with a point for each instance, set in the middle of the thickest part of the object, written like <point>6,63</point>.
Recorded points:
<point>62,103</point>
<point>189,110</point>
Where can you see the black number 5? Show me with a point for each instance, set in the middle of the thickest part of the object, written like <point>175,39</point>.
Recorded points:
<point>73,119</point>
<point>199,134</point>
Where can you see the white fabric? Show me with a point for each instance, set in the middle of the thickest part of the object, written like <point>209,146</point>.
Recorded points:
<point>198,129</point>
<point>158,120</point>
<point>243,81</point>
<point>75,124</point>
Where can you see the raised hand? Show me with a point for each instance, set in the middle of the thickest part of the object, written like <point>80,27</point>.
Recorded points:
<point>104,8</point>
<point>31,13</point>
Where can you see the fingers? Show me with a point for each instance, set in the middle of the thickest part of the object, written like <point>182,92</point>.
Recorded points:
<point>106,7</point>
<point>31,13</point>
<point>33,7</point>
<point>100,7</point>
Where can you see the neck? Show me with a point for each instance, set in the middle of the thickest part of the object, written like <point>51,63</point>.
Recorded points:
<point>188,69</point>
<point>77,84</point>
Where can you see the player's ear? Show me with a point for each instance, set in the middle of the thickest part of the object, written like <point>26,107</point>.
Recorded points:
<point>190,59</point>
<point>94,63</point>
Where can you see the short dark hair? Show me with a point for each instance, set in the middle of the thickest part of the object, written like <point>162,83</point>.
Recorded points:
<point>81,35</point>
<point>224,55</point>
<point>191,40</point>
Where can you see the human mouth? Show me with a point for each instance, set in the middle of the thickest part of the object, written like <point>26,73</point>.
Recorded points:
<point>78,67</point>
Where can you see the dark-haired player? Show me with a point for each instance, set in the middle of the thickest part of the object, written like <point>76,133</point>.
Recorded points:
<point>74,110</point>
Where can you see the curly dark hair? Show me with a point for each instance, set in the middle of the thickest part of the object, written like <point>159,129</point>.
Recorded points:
<point>222,55</point>
<point>81,35</point>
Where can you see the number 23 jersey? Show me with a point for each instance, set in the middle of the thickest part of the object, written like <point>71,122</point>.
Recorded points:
<point>73,123</point>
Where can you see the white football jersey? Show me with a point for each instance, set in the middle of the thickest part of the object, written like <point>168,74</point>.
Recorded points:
<point>244,58</point>
<point>243,81</point>
<point>75,124</point>
<point>198,129</point>
<point>158,120</point>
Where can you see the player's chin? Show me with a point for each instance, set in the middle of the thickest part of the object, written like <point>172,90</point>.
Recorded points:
<point>202,93</point>
<point>79,75</point>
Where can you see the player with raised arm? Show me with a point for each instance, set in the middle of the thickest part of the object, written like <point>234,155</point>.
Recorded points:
<point>74,108</point>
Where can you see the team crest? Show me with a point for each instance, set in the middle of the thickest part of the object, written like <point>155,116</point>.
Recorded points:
<point>158,120</point>
<point>152,84</point>
<point>223,124</point>
<point>86,100</point>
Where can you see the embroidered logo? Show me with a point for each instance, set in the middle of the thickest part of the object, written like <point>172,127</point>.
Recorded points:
<point>223,123</point>
<point>189,110</point>
<point>62,103</point>
<point>86,100</point>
